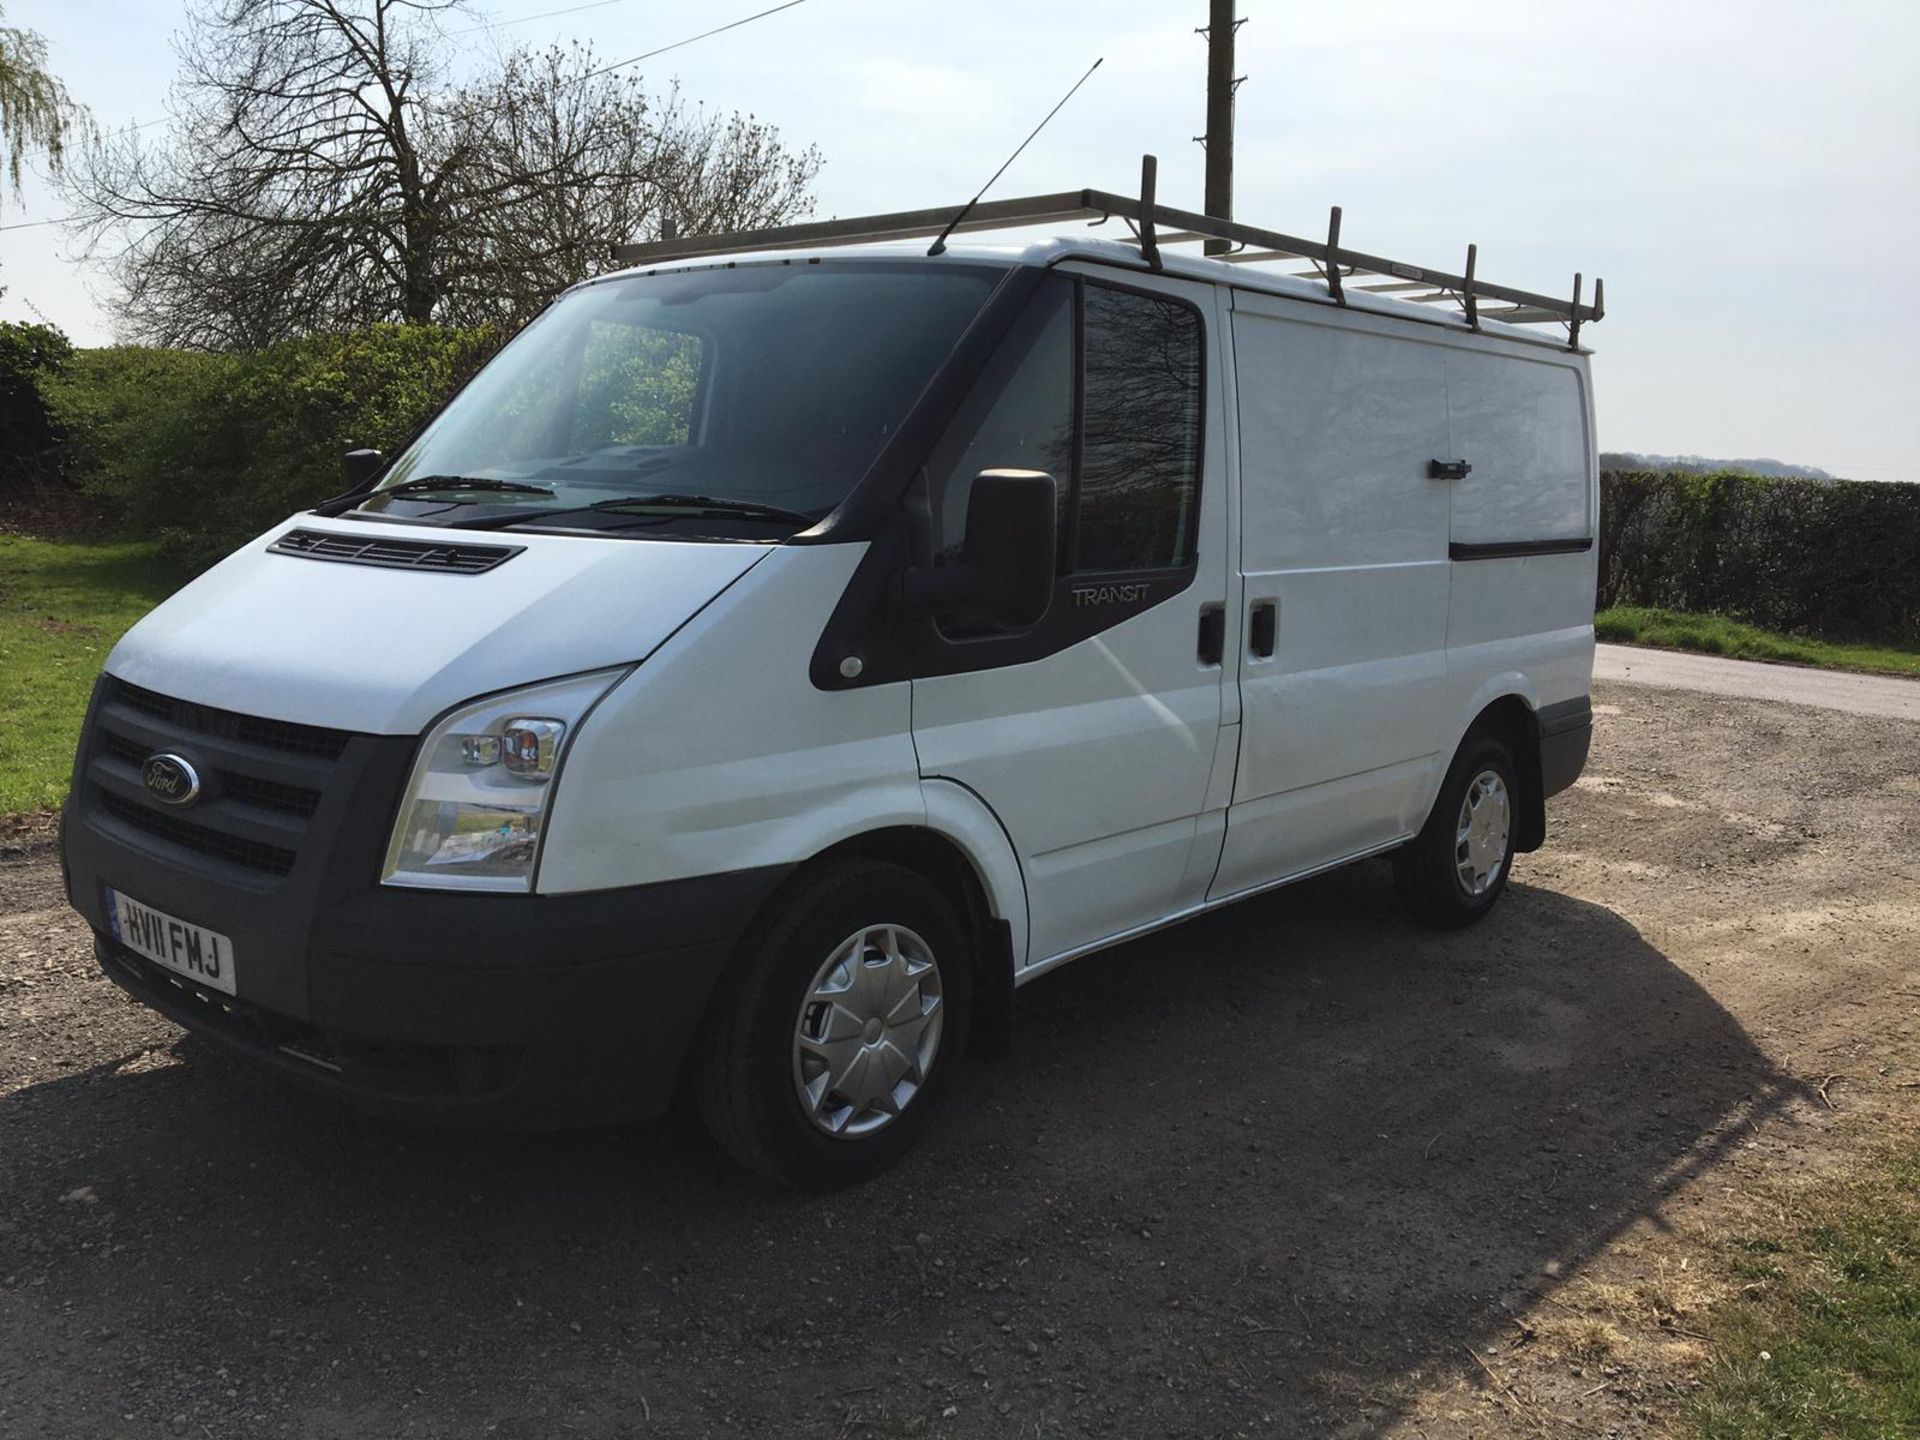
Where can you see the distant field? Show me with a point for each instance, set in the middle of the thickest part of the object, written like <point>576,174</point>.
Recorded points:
<point>62,605</point>
<point>1716,635</point>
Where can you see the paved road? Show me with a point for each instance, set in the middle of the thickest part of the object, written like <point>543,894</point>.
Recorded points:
<point>1886,696</point>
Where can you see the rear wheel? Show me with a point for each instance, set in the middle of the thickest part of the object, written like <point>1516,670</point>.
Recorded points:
<point>845,1022</point>
<point>1456,868</point>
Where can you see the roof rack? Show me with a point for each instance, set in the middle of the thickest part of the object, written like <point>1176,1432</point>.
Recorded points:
<point>1153,225</point>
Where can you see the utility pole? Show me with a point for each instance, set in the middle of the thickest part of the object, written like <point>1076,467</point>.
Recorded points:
<point>1221,83</point>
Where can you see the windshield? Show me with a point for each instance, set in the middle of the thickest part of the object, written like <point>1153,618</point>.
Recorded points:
<point>766,389</point>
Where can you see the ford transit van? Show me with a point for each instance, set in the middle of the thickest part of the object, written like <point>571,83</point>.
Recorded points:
<point>791,644</point>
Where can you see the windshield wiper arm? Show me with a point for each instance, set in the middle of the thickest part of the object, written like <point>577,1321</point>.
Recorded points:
<point>464,482</point>
<point>684,504</point>
<point>717,504</point>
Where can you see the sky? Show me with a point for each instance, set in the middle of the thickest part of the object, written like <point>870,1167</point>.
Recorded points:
<point>1745,175</point>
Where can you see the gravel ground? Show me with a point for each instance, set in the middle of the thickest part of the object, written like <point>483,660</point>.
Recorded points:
<point>1295,1168</point>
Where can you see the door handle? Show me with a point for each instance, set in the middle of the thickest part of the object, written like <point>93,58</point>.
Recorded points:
<point>1263,628</point>
<point>1213,634</point>
<point>1448,469</point>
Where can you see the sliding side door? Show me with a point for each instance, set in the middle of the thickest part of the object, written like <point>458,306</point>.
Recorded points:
<point>1343,550</point>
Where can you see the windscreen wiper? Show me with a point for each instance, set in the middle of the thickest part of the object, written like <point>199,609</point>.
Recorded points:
<point>680,504</point>
<point>463,482</point>
<point>716,504</point>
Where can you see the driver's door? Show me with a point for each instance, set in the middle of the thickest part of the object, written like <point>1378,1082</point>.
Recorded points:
<point>1094,737</point>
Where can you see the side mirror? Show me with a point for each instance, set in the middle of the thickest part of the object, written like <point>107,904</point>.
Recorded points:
<point>361,468</point>
<point>1005,569</point>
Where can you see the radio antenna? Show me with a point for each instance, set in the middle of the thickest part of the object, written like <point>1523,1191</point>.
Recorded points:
<point>939,246</point>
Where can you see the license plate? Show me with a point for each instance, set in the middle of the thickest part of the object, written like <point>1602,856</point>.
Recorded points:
<point>190,950</point>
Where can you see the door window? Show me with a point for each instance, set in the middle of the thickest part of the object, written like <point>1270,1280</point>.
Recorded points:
<point>1126,459</point>
<point>1018,417</point>
<point>1139,478</point>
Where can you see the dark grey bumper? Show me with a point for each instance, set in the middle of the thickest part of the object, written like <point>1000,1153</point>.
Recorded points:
<point>1566,733</point>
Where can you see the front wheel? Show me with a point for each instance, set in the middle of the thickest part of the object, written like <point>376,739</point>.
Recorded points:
<point>1453,871</point>
<point>844,1023</point>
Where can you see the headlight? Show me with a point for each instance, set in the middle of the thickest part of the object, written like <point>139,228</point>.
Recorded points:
<point>480,792</point>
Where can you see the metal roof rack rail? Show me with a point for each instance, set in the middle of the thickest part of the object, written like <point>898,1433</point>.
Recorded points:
<point>1153,226</point>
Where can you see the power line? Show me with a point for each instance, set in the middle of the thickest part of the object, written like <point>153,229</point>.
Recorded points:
<point>730,25</point>
<point>528,19</point>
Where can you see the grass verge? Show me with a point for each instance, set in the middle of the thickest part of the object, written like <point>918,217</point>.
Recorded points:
<point>62,605</point>
<point>1823,1341</point>
<point>1717,635</point>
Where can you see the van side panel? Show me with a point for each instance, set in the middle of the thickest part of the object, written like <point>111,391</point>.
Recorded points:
<point>1342,530</point>
<point>719,754</point>
<point>1521,623</point>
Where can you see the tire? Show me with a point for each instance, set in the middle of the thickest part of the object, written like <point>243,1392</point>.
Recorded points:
<point>817,1093</point>
<point>1457,867</point>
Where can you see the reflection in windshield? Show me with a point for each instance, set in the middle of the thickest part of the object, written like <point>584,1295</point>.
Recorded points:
<point>773,384</point>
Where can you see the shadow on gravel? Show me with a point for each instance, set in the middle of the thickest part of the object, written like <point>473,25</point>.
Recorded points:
<point>1267,1172</point>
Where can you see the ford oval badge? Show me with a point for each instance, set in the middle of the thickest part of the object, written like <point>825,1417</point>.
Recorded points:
<point>171,779</point>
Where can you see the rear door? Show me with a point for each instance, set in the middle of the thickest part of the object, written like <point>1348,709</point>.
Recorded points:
<point>1094,737</point>
<point>1343,549</point>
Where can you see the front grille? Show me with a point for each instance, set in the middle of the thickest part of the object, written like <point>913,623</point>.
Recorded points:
<point>265,782</point>
<point>226,725</point>
<point>268,794</point>
<point>298,800</point>
<point>394,554</point>
<point>249,854</point>
<point>130,752</point>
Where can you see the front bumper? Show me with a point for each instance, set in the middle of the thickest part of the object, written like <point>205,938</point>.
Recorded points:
<point>580,1013</point>
<point>440,1006</point>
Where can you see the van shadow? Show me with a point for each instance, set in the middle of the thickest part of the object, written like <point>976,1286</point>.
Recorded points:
<point>1259,1173</point>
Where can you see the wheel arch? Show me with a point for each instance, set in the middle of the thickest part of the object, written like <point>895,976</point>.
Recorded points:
<point>962,848</point>
<point>1510,717</point>
<point>975,865</point>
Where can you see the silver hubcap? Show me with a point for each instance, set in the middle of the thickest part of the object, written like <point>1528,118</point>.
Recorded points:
<point>1480,839</point>
<point>868,1031</point>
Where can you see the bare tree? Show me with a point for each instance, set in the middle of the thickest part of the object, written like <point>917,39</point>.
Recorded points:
<point>324,171</point>
<point>559,160</point>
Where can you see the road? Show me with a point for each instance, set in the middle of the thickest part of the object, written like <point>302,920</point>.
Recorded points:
<point>1884,695</point>
<point>1294,1168</point>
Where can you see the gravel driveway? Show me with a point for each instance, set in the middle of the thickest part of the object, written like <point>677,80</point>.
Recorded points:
<point>1277,1171</point>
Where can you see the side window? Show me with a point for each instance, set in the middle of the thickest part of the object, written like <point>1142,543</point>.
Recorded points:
<point>1139,478</point>
<point>1018,417</point>
<point>638,386</point>
<point>1129,471</point>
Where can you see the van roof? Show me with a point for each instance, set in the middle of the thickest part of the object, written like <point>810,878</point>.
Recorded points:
<point>1053,250</point>
<point>1338,276</point>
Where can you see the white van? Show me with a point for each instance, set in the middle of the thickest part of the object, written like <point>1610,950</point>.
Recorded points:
<point>788,646</point>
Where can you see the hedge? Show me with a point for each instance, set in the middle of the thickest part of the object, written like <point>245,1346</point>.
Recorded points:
<point>1838,559</point>
<point>31,356</point>
<point>203,451</point>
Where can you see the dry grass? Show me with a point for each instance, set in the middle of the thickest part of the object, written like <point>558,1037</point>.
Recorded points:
<point>1818,1337</point>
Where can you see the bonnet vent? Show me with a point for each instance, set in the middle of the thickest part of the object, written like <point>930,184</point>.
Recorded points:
<point>394,554</point>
